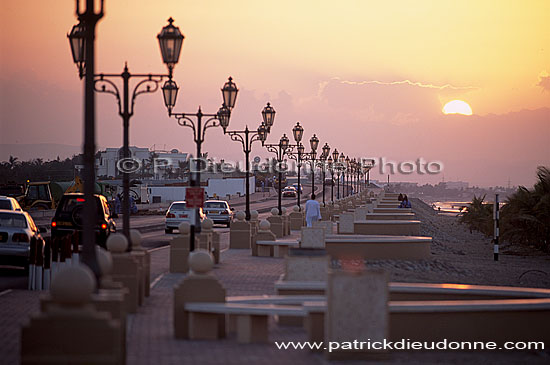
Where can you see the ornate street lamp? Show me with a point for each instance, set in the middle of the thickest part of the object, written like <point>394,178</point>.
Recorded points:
<point>218,119</point>
<point>347,174</point>
<point>229,92</point>
<point>268,115</point>
<point>170,42</point>
<point>298,132</point>
<point>323,158</point>
<point>280,150</point>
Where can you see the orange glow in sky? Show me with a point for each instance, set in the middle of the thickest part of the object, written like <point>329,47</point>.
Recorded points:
<point>357,73</point>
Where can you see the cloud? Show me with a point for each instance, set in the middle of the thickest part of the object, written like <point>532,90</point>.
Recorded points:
<point>544,81</point>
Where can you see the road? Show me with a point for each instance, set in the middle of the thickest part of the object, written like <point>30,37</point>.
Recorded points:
<point>153,236</point>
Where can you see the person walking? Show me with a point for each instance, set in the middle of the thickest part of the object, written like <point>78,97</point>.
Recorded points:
<point>313,211</point>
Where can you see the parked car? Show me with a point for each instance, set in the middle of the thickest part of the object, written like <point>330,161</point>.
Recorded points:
<point>295,186</point>
<point>178,213</point>
<point>69,215</point>
<point>219,211</point>
<point>17,228</point>
<point>9,203</point>
<point>290,192</point>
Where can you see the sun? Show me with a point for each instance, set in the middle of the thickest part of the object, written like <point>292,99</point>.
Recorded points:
<point>457,107</point>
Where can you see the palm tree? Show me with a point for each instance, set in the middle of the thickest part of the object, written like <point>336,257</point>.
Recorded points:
<point>12,162</point>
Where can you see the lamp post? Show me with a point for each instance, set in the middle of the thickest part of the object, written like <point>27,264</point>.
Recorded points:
<point>311,156</point>
<point>246,139</point>
<point>336,166</point>
<point>331,169</point>
<point>298,132</point>
<point>221,118</point>
<point>346,174</point>
<point>82,40</point>
<point>170,42</point>
<point>279,149</point>
<point>322,160</point>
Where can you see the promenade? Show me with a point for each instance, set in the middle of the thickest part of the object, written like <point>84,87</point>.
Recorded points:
<point>150,331</point>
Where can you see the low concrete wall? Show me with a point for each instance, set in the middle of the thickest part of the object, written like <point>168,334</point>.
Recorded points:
<point>378,248</point>
<point>392,210</point>
<point>387,227</point>
<point>390,216</point>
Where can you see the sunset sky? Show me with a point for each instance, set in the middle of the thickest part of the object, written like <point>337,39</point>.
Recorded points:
<point>368,77</point>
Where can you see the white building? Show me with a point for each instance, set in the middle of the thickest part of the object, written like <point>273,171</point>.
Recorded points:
<point>157,164</point>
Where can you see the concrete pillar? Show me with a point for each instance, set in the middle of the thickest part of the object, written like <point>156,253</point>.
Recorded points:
<point>240,235</point>
<point>214,237</point>
<point>125,269</point>
<point>276,222</point>
<point>199,286</point>
<point>296,219</point>
<point>135,236</point>
<point>71,330</point>
<point>286,222</point>
<point>179,249</point>
<point>264,234</point>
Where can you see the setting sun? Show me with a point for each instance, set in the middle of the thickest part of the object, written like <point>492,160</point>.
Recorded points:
<point>457,107</point>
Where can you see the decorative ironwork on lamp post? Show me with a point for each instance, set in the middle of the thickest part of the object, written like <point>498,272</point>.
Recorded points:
<point>170,42</point>
<point>221,118</point>
<point>280,150</point>
<point>247,139</point>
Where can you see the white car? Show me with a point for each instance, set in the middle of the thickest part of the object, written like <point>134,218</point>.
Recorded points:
<point>179,213</point>
<point>219,211</point>
<point>9,203</point>
<point>16,230</point>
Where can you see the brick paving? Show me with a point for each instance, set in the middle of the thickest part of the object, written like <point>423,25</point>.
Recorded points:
<point>150,331</point>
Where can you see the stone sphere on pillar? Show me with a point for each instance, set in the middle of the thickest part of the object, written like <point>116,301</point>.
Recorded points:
<point>296,209</point>
<point>265,225</point>
<point>117,243</point>
<point>200,262</point>
<point>135,237</point>
<point>207,224</point>
<point>73,285</point>
<point>240,215</point>
<point>274,211</point>
<point>105,260</point>
<point>283,210</point>
<point>254,214</point>
<point>184,228</point>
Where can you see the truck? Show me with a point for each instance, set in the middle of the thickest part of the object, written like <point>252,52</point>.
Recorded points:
<point>46,194</point>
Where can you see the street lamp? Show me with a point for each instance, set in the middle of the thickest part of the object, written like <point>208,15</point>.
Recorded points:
<point>331,169</point>
<point>323,158</point>
<point>220,118</point>
<point>268,115</point>
<point>346,174</point>
<point>82,41</point>
<point>280,149</point>
<point>170,43</point>
<point>313,143</point>
<point>298,132</point>
<point>343,169</point>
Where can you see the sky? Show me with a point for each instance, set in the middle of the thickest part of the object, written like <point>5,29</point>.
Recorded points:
<point>369,78</point>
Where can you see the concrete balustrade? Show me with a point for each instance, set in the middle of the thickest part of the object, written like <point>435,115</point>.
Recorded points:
<point>179,249</point>
<point>264,234</point>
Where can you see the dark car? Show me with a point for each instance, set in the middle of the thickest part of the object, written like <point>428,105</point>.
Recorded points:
<point>69,216</point>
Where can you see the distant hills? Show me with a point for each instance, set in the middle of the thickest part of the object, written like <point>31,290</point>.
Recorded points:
<point>46,151</point>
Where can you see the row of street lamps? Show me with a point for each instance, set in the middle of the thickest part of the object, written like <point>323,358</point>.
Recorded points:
<point>82,39</point>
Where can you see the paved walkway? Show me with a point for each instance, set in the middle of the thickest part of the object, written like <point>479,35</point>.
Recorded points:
<point>150,332</point>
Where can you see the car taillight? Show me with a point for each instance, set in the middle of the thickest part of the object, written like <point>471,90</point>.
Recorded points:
<point>80,200</point>
<point>225,212</point>
<point>103,226</point>
<point>54,224</point>
<point>20,237</point>
<point>170,215</point>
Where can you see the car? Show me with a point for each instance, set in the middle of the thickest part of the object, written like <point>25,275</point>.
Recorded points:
<point>295,186</point>
<point>290,192</point>
<point>219,211</point>
<point>329,181</point>
<point>178,213</point>
<point>9,203</point>
<point>69,215</point>
<point>17,228</point>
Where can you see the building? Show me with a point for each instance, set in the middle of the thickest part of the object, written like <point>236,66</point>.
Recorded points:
<point>456,185</point>
<point>143,162</point>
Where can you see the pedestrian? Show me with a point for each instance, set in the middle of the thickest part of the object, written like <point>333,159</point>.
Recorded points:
<point>313,211</point>
<point>405,203</point>
<point>400,197</point>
